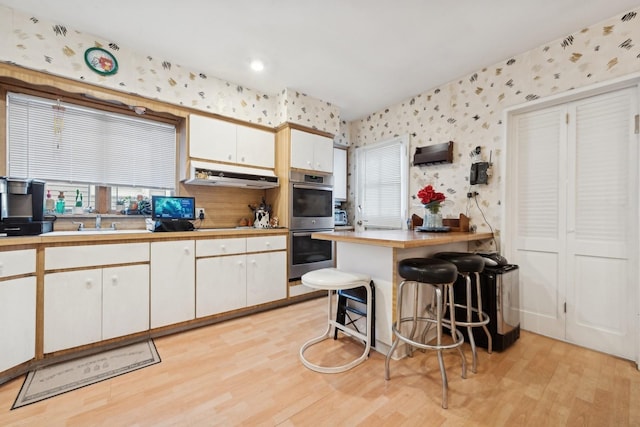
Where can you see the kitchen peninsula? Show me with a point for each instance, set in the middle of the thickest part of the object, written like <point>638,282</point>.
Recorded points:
<point>377,253</point>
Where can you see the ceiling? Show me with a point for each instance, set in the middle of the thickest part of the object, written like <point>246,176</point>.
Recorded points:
<point>360,55</point>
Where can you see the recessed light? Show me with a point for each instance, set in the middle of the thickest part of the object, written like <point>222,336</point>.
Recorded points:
<point>257,65</point>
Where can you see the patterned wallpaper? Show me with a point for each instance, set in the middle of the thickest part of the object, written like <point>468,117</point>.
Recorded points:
<point>469,111</point>
<point>33,42</point>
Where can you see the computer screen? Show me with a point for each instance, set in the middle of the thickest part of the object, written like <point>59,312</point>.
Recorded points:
<point>173,208</point>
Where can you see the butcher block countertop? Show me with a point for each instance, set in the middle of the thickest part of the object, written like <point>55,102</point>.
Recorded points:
<point>402,239</point>
<point>116,236</point>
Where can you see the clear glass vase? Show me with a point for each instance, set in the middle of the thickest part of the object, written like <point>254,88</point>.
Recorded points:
<point>432,219</point>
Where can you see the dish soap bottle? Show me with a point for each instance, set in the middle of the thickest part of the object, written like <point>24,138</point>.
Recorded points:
<point>50,204</point>
<point>60,203</point>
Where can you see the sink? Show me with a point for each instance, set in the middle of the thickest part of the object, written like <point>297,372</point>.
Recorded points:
<point>93,231</point>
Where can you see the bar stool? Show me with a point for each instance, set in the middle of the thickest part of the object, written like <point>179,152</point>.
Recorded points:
<point>440,276</point>
<point>331,279</point>
<point>467,264</point>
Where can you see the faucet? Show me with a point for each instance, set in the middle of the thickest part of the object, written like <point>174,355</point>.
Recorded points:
<point>80,225</point>
<point>98,221</point>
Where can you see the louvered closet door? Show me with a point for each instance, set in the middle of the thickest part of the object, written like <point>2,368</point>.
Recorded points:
<point>540,200</point>
<point>602,282</point>
<point>576,221</point>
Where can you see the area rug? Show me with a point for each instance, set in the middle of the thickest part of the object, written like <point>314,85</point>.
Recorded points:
<point>62,377</point>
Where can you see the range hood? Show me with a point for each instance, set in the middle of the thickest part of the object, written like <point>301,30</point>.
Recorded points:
<point>221,175</point>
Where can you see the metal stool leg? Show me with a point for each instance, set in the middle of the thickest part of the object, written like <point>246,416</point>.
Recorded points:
<point>482,316</point>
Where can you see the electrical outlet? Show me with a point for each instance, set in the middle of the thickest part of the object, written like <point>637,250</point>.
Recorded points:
<point>200,213</point>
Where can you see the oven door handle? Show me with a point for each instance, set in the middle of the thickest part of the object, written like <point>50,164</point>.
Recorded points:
<point>301,234</point>
<point>312,187</point>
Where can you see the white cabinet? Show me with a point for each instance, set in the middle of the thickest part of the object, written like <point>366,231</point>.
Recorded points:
<point>94,302</point>
<point>340,174</point>
<point>266,277</point>
<point>239,272</point>
<point>255,147</point>
<point>172,282</point>
<point>125,300</point>
<point>311,152</point>
<point>72,309</point>
<point>86,306</point>
<point>17,318</point>
<point>222,141</point>
<point>220,284</point>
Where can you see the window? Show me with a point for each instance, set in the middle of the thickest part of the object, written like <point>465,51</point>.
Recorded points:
<point>74,147</point>
<point>382,182</point>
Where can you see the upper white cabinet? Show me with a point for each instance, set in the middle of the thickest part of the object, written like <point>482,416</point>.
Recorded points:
<point>340,174</point>
<point>222,141</point>
<point>311,152</point>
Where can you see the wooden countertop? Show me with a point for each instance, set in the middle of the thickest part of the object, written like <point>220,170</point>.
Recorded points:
<point>79,237</point>
<point>402,239</point>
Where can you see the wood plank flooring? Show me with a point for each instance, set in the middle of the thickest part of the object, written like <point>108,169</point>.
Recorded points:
<point>246,372</point>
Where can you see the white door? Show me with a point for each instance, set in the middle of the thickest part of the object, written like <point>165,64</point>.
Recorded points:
<point>125,300</point>
<point>576,213</point>
<point>266,277</point>
<point>173,277</point>
<point>221,284</point>
<point>539,241</point>
<point>72,309</point>
<point>602,213</point>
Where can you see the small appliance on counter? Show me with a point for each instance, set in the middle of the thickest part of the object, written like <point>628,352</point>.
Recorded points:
<point>22,207</point>
<point>339,217</point>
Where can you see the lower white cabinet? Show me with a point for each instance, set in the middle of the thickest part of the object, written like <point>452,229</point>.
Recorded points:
<point>172,282</point>
<point>266,277</point>
<point>87,306</point>
<point>239,272</point>
<point>220,284</point>
<point>17,321</point>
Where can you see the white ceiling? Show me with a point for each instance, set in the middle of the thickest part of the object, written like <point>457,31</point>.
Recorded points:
<point>360,55</point>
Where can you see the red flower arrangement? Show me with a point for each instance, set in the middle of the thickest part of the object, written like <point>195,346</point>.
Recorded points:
<point>431,199</point>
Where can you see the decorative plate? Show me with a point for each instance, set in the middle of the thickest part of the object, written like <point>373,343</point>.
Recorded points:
<point>101,61</point>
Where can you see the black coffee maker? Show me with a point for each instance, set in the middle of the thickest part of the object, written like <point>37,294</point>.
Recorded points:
<point>21,207</point>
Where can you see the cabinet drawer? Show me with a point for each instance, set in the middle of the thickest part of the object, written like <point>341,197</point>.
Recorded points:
<point>214,247</point>
<point>87,256</point>
<point>266,243</point>
<point>13,263</point>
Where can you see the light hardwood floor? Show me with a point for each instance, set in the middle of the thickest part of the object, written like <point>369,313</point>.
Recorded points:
<point>246,372</point>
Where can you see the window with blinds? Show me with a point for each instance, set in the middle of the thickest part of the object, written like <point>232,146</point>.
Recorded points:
<point>382,174</point>
<point>62,142</point>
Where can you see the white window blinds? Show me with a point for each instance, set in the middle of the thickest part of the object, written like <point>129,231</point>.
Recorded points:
<point>382,183</point>
<point>57,141</point>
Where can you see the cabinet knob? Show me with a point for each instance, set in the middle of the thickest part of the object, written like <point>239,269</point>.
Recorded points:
<point>267,244</point>
<point>242,159</point>
<point>89,284</point>
<point>223,247</point>
<point>114,280</point>
<point>186,250</point>
<point>229,157</point>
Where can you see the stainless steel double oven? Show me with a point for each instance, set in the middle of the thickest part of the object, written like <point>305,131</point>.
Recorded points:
<point>311,211</point>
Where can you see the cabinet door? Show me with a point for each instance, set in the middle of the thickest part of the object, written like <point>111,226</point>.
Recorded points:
<point>220,284</point>
<point>172,282</point>
<point>125,300</point>
<point>72,309</point>
<point>266,277</point>
<point>302,149</point>
<point>323,154</point>
<point>311,151</point>
<point>17,321</point>
<point>339,174</point>
<point>212,139</point>
<point>255,147</point>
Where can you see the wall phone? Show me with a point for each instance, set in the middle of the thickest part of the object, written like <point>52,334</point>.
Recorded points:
<point>478,173</point>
